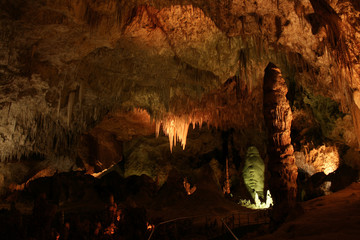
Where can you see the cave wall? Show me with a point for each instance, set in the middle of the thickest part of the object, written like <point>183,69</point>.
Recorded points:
<point>64,65</point>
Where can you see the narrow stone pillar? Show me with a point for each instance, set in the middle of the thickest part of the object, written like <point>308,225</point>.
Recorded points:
<point>278,117</point>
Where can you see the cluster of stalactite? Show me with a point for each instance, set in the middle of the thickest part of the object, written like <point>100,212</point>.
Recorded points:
<point>231,106</point>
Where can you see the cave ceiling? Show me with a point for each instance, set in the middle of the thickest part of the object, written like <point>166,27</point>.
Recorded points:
<point>65,65</point>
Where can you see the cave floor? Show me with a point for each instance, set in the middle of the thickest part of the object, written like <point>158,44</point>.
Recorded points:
<point>335,216</point>
<point>197,216</point>
<point>203,202</point>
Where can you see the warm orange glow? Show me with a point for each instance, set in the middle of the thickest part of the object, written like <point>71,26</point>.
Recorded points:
<point>47,172</point>
<point>150,226</point>
<point>322,159</point>
<point>223,108</point>
<point>176,128</point>
<point>325,158</point>
<point>189,190</point>
<point>110,230</point>
<point>118,215</point>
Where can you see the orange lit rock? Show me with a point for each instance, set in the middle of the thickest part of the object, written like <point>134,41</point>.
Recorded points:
<point>324,159</point>
<point>102,146</point>
<point>278,117</point>
<point>64,65</point>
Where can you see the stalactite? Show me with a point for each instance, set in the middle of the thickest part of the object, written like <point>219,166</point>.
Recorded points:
<point>70,106</point>
<point>176,128</point>
<point>355,112</point>
<point>59,105</point>
<point>81,93</point>
<point>157,128</point>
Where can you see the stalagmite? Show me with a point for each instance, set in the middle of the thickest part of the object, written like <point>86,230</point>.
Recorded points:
<point>253,172</point>
<point>278,117</point>
<point>226,188</point>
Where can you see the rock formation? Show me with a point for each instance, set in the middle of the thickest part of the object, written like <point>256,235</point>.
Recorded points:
<point>278,117</point>
<point>73,75</point>
<point>253,172</point>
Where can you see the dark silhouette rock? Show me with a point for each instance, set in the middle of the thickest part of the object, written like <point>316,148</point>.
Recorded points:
<point>342,177</point>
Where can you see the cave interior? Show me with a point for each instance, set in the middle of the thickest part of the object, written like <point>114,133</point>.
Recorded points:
<point>179,119</point>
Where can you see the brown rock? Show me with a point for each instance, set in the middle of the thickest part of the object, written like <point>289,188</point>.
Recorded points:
<point>278,117</point>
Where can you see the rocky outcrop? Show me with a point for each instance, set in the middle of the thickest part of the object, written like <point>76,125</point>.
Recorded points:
<point>278,117</point>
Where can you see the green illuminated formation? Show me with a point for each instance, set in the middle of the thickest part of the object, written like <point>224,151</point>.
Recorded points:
<point>253,172</point>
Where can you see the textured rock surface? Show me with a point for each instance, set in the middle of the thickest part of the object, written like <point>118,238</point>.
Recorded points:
<point>278,117</point>
<point>254,172</point>
<point>64,65</point>
<point>102,147</point>
<point>322,159</point>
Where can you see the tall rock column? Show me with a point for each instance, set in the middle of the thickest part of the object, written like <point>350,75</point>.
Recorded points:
<point>278,117</point>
